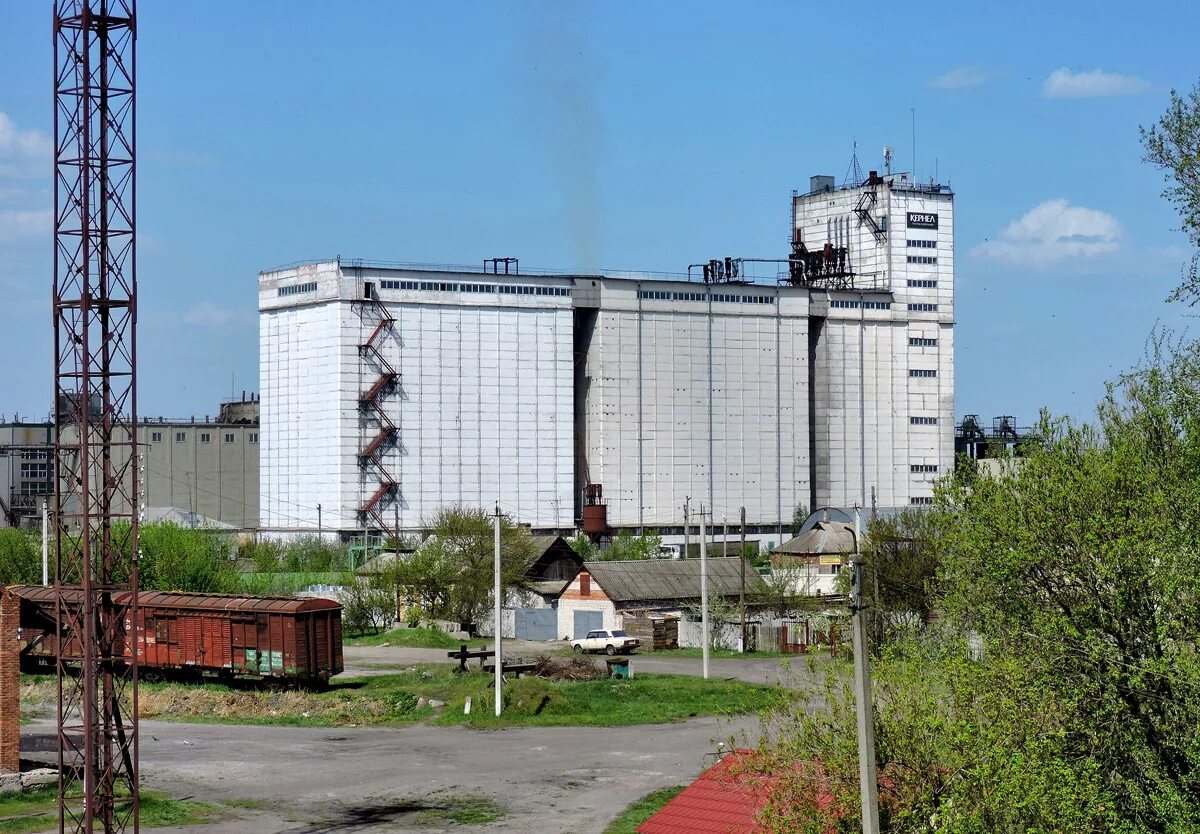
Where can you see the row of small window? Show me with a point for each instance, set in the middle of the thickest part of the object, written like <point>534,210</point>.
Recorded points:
<point>843,304</point>
<point>502,289</point>
<point>922,244</point>
<point>205,437</point>
<point>717,297</point>
<point>921,341</point>
<point>921,500</point>
<point>35,488</point>
<point>922,468</point>
<point>922,259</point>
<point>35,470</point>
<point>922,282</point>
<point>922,421</point>
<point>297,289</point>
<point>922,373</point>
<point>922,308</point>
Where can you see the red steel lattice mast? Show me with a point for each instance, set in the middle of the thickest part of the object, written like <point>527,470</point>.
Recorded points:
<point>95,309</point>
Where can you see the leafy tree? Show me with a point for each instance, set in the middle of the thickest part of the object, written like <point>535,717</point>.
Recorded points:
<point>266,555</point>
<point>627,546</point>
<point>20,558</point>
<point>1078,570</point>
<point>1173,145</point>
<point>799,516</point>
<point>175,558</point>
<point>450,575</point>
<point>899,563</point>
<point>584,547</point>
<point>313,554</point>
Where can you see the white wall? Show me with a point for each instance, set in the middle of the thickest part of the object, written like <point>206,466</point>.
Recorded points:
<point>484,408</point>
<point>698,398</point>
<point>864,393</point>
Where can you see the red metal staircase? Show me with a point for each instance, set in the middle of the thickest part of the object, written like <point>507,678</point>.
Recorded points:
<point>380,432</point>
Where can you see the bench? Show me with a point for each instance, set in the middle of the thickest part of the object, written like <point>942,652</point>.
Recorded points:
<point>464,654</point>
<point>517,669</point>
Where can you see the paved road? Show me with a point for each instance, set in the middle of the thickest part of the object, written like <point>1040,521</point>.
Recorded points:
<point>311,781</point>
<point>376,660</point>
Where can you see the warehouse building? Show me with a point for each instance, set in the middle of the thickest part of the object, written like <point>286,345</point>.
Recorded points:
<point>392,390</point>
<point>194,470</point>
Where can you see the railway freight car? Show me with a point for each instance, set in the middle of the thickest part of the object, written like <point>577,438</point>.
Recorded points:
<point>190,635</point>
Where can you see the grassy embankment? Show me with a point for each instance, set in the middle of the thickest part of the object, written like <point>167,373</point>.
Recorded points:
<point>642,810</point>
<point>404,698</point>
<point>411,638</point>
<point>38,811</point>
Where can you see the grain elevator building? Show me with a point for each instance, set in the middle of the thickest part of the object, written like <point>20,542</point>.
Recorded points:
<point>390,391</point>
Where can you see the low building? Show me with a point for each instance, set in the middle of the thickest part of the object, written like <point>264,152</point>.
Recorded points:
<point>816,557</point>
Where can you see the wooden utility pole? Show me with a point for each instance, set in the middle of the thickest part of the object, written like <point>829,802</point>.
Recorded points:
<point>686,531</point>
<point>742,593</point>
<point>499,658</point>
<point>703,594</point>
<point>868,783</point>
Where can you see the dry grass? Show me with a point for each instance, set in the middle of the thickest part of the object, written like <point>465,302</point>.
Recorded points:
<point>570,668</point>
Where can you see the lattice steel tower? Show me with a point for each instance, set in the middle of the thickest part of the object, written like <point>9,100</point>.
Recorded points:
<point>95,309</point>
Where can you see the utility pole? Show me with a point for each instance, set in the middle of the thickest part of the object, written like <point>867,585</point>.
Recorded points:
<point>686,531</point>
<point>703,594</point>
<point>742,593</point>
<point>45,541</point>
<point>499,643</point>
<point>868,784</point>
<point>320,530</point>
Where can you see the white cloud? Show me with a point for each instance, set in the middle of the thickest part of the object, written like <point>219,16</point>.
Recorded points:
<point>23,153</point>
<point>960,77</point>
<point>17,226</point>
<point>1054,231</point>
<point>211,315</point>
<point>1063,83</point>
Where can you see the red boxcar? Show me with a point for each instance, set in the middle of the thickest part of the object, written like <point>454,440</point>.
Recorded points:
<point>275,637</point>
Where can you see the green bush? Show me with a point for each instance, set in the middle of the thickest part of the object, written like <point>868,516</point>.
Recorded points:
<point>533,696</point>
<point>20,558</point>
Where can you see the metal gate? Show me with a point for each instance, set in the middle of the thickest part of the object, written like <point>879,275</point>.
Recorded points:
<point>586,621</point>
<point>536,623</point>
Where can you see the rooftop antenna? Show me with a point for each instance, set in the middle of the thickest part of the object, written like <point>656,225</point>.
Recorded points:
<point>887,160</point>
<point>853,176</point>
<point>914,142</point>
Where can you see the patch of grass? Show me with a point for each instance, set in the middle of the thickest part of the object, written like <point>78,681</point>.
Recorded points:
<point>714,653</point>
<point>642,810</point>
<point>460,810</point>
<point>646,699</point>
<point>414,638</point>
<point>38,811</point>
<point>394,700</point>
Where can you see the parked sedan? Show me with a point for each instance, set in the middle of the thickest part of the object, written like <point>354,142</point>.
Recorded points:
<point>609,642</point>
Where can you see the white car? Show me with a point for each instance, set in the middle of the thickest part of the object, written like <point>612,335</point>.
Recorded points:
<point>609,642</point>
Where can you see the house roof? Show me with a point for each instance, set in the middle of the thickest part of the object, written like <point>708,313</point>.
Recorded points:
<point>671,579</point>
<point>822,537</point>
<point>720,801</point>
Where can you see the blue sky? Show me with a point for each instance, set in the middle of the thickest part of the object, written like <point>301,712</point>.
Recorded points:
<point>621,136</point>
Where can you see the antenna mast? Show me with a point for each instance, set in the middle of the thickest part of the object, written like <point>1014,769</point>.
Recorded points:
<point>95,454</point>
